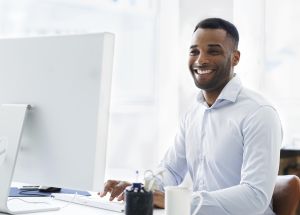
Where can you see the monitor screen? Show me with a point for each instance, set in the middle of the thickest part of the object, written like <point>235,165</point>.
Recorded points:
<point>66,80</point>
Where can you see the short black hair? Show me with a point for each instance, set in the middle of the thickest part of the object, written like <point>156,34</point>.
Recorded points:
<point>218,23</point>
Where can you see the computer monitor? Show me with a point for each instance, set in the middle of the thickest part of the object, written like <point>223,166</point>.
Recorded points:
<point>66,81</point>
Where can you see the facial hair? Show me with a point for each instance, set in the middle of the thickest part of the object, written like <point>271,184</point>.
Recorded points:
<point>221,77</point>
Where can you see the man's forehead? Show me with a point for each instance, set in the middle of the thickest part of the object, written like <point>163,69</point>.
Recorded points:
<point>209,36</point>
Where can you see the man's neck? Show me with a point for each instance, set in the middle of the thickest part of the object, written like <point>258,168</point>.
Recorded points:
<point>211,96</point>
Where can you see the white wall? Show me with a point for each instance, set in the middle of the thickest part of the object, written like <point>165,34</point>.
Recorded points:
<point>134,115</point>
<point>249,17</point>
<point>167,74</point>
<point>282,61</point>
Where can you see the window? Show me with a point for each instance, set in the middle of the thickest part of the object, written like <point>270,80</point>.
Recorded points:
<point>134,115</point>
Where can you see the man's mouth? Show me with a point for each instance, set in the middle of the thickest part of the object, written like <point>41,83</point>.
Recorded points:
<point>203,71</point>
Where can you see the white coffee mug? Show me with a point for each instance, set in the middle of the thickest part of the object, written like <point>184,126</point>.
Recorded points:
<point>177,200</point>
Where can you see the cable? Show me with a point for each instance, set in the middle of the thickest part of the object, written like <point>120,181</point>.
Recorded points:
<point>42,202</point>
<point>31,202</point>
<point>199,204</point>
<point>151,179</point>
<point>70,202</point>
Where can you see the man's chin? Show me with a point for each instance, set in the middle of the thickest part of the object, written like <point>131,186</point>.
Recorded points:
<point>201,86</point>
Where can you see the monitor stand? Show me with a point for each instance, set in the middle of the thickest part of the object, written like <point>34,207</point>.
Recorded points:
<point>12,118</point>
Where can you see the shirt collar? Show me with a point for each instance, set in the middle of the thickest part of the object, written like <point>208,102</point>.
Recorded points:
<point>230,92</point>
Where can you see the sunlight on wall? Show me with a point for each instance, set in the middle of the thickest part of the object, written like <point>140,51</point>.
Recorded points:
<point>252,42</point>
<point>134,109</point>
<point>282,60</point>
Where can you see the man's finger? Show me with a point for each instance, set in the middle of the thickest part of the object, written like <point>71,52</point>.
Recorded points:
<point>103,193</point>
<point>121,196</point>
<point>116,192</point>
<point>159,199</point>
<point>118,189</point>
<point>108,187</point>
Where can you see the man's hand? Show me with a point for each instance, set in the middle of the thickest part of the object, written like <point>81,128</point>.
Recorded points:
<point>115,188</point>
<point>159,199</point>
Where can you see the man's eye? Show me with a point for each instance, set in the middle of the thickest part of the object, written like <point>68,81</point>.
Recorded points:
<point>194,52</point>
<point>214,52</point>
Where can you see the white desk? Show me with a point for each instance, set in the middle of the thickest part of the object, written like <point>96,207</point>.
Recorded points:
<point>70,208</point>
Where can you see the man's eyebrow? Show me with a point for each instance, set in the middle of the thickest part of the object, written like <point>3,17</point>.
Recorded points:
<point>193,46</point>
<point>215,45</point>
<point>209,45</point>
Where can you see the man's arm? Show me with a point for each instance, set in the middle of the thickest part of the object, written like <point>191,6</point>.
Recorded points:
<point>174,167</point>
<point>262,141</point>
<point>173,164</point>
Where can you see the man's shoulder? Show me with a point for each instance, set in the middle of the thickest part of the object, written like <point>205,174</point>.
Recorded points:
<point>253,98</point>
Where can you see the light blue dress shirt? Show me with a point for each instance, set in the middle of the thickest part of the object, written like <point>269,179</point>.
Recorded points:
<point>231,150</point>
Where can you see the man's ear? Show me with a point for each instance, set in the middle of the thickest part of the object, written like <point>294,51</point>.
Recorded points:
<point>235,57</point>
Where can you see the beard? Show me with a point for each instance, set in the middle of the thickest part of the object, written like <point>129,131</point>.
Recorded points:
<point>220,76</point>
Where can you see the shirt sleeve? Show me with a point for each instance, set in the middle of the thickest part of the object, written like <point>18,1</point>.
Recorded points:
<point>262,135</point>
<point>174,162</point>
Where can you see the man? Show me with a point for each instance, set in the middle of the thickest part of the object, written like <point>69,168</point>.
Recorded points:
<point>229,141</point>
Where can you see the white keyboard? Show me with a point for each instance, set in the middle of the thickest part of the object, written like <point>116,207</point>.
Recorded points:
<point>92,201</point>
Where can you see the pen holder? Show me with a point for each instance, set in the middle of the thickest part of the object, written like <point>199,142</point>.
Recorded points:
<point>138,201</point>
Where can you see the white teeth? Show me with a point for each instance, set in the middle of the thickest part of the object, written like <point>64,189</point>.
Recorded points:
<point>201,72</point>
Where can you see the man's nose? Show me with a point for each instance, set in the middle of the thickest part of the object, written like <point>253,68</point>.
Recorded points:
<point>202,59</point>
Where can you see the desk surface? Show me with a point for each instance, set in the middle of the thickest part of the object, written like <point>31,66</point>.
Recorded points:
<point>70,208</point>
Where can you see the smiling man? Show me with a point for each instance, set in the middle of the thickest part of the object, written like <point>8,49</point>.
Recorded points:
<point>213,54</point>
<point>229,140</point>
